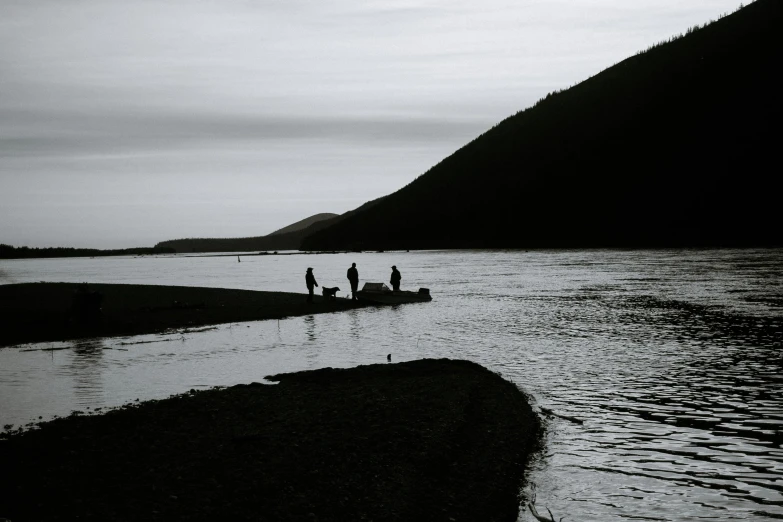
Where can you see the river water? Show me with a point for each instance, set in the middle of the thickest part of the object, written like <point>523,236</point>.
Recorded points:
<point>671,358</point>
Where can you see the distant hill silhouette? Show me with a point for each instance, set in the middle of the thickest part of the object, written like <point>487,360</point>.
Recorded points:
<point>299,225</point>
<point>675,146</point>
<point>234,244</point>
<point>287,238</point>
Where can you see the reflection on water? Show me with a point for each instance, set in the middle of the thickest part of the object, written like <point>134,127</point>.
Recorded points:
<point>309,322</point>
<point>671,358</point>
<point>356,324</point>
<point>86,369</point>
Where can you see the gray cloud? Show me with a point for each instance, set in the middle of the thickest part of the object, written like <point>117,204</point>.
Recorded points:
<point>29,133</point>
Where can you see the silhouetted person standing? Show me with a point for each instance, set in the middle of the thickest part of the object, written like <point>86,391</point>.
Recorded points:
<point>353,277</point>
<point>311,283</point>
<point>396,277</point>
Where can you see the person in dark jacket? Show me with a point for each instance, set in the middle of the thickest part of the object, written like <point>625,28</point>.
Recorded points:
<point>353,277</point>
<point>311,283</point>
<point>396,277</point>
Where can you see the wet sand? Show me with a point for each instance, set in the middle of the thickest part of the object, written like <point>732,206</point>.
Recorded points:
<point>37,312</point>
<point>435,440</point>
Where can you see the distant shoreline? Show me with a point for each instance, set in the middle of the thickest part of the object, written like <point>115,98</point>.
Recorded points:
<point>296,253</point>
<point>41,312</point>
<point>11,252</point>
<point>139,253</point>
<point>178,255</point>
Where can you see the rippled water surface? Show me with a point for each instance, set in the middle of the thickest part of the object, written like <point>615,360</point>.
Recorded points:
<point>672,359</point>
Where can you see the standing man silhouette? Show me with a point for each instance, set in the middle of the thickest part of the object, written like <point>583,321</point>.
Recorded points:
<point>353,277</point>
<point>396,277</point>
<point>310,282</point>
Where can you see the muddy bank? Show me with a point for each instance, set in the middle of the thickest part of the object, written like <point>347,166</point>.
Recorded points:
<point>423,440</point>
<point>36,312</point>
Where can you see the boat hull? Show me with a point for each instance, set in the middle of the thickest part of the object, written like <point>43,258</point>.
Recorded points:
<point>399,297</point>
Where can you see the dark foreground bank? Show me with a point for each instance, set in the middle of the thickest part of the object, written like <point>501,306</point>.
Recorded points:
<point>423,440</point>
<point>37,312</point>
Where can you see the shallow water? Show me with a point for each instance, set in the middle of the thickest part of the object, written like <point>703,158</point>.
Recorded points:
<point>671,358</point>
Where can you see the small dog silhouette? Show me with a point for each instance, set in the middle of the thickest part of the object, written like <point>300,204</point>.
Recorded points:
<point>330,293</point>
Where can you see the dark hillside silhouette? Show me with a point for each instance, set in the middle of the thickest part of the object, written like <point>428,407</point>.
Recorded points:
<point>676,146</point>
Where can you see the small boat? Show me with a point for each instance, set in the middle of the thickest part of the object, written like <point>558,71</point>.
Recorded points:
<point>380,293</point>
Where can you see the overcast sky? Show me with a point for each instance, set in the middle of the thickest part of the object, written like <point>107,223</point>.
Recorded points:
<point>128,122</point>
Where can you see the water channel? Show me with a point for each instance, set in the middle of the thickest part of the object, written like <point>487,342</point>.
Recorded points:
<point>672,359</point>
